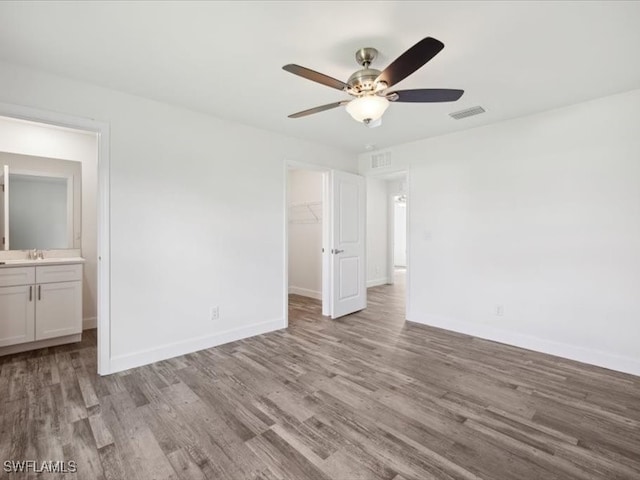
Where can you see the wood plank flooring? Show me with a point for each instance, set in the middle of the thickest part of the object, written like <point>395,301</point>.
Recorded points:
<point>367,397</point>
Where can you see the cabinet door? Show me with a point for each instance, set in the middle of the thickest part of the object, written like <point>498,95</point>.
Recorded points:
<point>58,309</point>
<point>17,307</point>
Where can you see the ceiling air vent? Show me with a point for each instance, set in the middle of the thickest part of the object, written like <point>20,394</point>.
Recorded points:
<point>381,160</point>
<point>469,112</point>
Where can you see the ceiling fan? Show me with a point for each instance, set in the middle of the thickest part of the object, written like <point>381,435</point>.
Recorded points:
<point>370,87</point>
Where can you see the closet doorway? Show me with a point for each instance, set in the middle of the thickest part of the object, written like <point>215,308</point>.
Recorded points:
<point>326,239</point>
<point>306,212</point>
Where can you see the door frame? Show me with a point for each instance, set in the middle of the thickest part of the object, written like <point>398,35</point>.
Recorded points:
<point>326,217</point>
<point>391,237</point>
<point>102,131</point>
<point>407,237</point>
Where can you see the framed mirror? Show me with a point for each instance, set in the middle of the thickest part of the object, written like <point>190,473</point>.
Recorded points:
<point>40,212</point>
<point>40,204</point>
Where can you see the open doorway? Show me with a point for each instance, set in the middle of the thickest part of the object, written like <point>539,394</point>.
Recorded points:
<point>70,286</point>
<point>305,216</point>
<point>387,239</point>
<point>399,227</point>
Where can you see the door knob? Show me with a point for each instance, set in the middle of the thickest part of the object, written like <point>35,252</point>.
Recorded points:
<point>336,251</point>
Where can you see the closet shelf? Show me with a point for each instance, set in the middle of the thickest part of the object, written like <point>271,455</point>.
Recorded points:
<point>305,212</point>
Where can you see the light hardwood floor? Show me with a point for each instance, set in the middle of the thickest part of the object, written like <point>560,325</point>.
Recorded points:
<point>365,397</point>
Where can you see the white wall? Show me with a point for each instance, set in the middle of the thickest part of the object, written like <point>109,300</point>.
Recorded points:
<point>540,215</point>
<point>197,216</point>
<point>400,234</point>
<point>27,138</point>
<point>397,186</point>
<point>305,234</point>
<point>377,241</point>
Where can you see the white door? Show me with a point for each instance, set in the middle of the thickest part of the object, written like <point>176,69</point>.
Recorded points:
<point>347,199</point>
<point>58,309</point>
<point>4,208</point>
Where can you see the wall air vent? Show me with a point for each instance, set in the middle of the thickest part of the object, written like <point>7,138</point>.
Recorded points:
<point>469,112</point>
<point>381,160</point>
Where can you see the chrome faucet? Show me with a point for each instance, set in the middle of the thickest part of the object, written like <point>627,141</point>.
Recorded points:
<point>36,254</point>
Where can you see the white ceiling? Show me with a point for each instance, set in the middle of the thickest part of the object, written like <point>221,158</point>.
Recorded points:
<point>225,58</point>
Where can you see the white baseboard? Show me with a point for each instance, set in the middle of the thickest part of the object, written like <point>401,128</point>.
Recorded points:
<point>376,282</point>
<point>306,292</point>
<point>138,359</point>
<point>89,323</point>
<point>572,352</point>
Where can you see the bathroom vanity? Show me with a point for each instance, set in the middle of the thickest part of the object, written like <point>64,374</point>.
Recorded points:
<point>41,269</point>
<point>40,303</point>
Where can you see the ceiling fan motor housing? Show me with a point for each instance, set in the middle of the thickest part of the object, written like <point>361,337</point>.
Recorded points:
<point>365,56</point>
<point>363,81</point>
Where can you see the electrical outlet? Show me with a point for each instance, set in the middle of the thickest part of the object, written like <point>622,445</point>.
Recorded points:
<point>500,310</point>
<point>215,313</point>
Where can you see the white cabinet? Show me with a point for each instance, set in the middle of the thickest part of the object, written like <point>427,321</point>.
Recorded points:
<point>58,309</point>
<point>40,303</point>
<point>17,315</point>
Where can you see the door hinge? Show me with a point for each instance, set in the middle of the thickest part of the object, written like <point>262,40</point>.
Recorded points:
<point>3,240</point>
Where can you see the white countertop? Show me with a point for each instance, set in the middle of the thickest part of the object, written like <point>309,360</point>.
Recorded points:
<point>25,262</point>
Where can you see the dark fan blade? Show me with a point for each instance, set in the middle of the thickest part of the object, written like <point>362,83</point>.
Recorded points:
<point>410,61</point>
<point>425,95</point>
<point>315,76</point>
<point>322,108</point>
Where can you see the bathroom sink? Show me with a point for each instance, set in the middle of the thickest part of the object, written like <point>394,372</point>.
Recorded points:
<point>41,261</point>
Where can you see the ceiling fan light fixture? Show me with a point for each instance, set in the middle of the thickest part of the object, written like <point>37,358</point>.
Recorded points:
<point>368,85</point>
<point>368,108</point>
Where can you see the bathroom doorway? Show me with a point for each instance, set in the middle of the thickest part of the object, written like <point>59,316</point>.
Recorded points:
<point>41,136</point>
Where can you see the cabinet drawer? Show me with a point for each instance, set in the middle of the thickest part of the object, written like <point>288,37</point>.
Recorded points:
<point>12,276</point>
<point>59,273</point>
